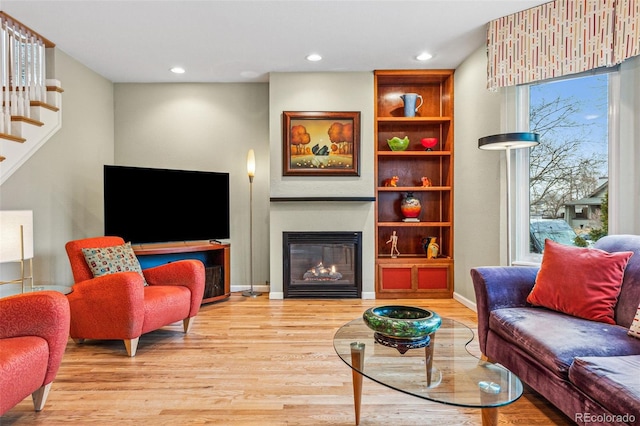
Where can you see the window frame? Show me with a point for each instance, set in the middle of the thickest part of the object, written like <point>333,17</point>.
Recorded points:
<point>518,97</point>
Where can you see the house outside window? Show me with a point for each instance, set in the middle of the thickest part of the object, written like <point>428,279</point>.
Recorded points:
<point>562,183</point>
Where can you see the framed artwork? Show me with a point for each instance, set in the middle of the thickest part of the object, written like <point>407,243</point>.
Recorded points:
<point>321,143</point>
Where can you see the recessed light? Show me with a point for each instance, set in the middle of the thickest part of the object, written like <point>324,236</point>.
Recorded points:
<point>177,70</point>
<point>424,56</point>
<point>249,74</point>
<point>314,57</point>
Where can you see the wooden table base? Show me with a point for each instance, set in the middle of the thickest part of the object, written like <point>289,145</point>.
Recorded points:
<point>489,415</point>
<point>357,360</point>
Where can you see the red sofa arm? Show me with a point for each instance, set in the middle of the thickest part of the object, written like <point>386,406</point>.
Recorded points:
<point>108,307</point>
<point>189,273</point>
<point>45,314</point>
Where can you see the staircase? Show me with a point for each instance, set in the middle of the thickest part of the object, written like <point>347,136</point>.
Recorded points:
<point>30,104</point>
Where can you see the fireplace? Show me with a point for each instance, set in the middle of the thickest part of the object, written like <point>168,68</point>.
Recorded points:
<point>322,264</point>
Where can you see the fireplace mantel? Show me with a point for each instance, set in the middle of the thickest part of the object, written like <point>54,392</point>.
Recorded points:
<point>327,212</point>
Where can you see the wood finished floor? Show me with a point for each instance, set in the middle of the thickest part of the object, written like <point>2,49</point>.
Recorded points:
<point>249,361</point>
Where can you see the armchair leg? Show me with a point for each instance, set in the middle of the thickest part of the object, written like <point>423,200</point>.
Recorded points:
<point>186,323</point>
<point>78,340</point>
<point>132,346</point>
<point>40,396</point>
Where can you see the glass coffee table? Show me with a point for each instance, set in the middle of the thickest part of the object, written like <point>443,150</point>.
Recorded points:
<point>443,372</point>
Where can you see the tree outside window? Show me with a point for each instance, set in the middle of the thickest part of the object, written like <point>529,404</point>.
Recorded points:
<point>568,170</point>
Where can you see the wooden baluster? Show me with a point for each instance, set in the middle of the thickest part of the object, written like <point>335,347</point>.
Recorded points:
<point>43,71</point>
<point>4,75</point>
<point>37,78</point>
<point>19,74</point>
<point>28,73</point>
<point>26,76</point>
<point>14,81</point>
<point>34,93</point>
<point>7,80</point>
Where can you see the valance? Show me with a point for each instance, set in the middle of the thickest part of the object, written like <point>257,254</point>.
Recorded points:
<point>560,38</point>
<point>627,30</point>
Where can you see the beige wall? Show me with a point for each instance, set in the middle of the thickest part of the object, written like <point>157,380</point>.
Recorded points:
<point>478,191</point>
<point>322,92</point>
<point>62,181</point>
<point>211,127</point>
<point>208,127</point>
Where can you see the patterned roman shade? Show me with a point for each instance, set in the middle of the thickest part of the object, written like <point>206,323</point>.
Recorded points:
<point>560,38</point>
<point>626,43</point>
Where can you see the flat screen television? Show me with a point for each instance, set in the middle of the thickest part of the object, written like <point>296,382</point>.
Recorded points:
<point>148,205</point>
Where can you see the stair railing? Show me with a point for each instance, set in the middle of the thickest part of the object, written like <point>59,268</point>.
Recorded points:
<point>22,71</point>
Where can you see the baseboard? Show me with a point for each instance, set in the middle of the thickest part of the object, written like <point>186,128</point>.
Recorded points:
<point>466,302</point>
<point>260,288</point>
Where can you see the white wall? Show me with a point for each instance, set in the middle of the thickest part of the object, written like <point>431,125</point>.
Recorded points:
<point>321,92</point>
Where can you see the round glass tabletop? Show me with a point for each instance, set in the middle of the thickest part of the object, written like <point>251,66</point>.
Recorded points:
<point>444,371</point>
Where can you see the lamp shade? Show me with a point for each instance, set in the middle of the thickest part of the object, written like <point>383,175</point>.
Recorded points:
<point>503,141</point>
<point>251,163</point>
<point>12,239</point>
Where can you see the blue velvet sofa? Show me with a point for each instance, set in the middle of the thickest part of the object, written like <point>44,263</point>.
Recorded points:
<point>589,370</point>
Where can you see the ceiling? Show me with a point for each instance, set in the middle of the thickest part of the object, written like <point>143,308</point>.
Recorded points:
<point>243,40</point>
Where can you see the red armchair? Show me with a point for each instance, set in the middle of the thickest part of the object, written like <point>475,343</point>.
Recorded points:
<point>119,306</point>
<point>34,329</point>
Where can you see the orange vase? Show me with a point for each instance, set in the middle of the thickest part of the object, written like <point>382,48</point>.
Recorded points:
<point>410,206</point>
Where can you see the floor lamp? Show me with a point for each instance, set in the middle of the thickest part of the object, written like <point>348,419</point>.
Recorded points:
<point>251,171</point>
<point>506,142</point>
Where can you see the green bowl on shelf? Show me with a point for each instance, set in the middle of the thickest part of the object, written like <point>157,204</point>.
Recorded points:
<point>402,322</point>
<point>397,144</point>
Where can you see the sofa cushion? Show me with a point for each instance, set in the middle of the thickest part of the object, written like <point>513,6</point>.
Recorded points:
<point>629,297</point>
<point>554,338</point>
<point>583,282</point>
<point>110,260</point>
<point>603,377</point>
<point>165,304</point>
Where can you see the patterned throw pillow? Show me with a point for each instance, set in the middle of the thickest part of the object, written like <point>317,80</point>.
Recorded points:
<point>110,260</point>
<point>634,330</point>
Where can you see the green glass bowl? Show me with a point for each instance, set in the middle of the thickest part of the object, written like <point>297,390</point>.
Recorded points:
<point>397,144</point>
<point>402,322</point>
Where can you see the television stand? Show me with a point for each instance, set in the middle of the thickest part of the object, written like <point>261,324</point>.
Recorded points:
<point>215,256</point>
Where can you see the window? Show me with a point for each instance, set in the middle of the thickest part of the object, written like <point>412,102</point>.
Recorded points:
<point>563,182</point>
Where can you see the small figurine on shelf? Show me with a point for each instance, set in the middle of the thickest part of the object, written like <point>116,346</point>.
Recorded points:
<point>426,182</point>
<point>394,245</point>
<point>392,181</point>
<point>431,247</point>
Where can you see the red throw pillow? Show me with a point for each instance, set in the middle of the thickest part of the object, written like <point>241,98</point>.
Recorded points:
<point>582,282</point>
